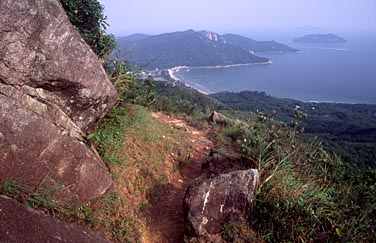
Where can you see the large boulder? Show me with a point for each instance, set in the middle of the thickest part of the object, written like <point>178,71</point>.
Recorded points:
<point>218,118</point>
<point>53,91</point>
<point>210,204</point>
<point>21,224</point>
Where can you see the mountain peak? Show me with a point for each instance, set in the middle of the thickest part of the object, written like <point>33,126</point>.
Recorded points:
<point>211,36</point>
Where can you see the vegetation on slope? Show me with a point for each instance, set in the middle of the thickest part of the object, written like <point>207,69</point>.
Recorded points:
<point>304,194</point>
<point>177,98</point>
<point>345,129</point>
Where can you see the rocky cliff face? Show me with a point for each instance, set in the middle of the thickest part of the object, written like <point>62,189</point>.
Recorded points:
<point>53,91</point>
<point>211,36</point>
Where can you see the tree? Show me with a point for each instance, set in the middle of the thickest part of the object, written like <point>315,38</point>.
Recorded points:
<point>88,19</point>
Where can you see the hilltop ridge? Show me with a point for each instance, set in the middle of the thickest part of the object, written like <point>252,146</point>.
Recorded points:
<point>258,46</point>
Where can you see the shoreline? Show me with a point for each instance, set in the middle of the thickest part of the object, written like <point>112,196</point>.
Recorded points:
<point>335,102</point>
<point>172,73</point>
<point>177,68</point>
<point>193,85</point>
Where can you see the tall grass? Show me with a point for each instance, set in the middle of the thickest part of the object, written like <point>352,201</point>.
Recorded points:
<point>304,194</point>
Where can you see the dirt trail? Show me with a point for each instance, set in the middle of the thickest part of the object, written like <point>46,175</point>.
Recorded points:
<point>166,219</point>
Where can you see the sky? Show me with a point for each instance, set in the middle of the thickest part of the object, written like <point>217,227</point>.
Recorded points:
<point>160,16</point>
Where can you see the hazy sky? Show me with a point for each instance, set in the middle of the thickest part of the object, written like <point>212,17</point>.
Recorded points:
<point>158,16</point>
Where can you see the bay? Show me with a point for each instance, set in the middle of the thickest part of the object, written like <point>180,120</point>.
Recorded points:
<point>324,73</point>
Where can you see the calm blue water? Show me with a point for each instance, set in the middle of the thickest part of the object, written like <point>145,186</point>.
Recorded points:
<point>340,73</point>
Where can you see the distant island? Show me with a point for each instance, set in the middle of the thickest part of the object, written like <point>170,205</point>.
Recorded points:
<point>194,49</point>
<point>320,39</point>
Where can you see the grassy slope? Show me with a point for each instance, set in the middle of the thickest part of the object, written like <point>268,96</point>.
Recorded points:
<point>138,151</point>
<point>304,194</point>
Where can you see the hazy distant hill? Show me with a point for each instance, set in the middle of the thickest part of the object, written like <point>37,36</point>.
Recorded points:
<point>132,38</point>
<point>257,46</point>
<point>191,48</point>
<point>320,39</point>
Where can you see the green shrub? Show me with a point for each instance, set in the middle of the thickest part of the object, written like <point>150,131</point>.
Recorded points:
<point>88,19</point>
<point>130,89</point>
<point>177,98</point>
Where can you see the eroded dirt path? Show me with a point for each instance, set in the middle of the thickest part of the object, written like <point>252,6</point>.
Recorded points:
<point>165,215</point>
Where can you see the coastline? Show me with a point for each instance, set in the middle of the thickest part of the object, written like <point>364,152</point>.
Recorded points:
<point>329,48</point>
<point>187,83</point>
<point>172,73</point>
<point>229,65</point>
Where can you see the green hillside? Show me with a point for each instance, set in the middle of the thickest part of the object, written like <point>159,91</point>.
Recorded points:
<point>191,48</point>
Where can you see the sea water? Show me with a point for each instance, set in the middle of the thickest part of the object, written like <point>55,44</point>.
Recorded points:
<point>331,72</point>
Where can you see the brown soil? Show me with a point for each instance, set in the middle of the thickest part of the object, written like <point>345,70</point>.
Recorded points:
<point>165,215</point>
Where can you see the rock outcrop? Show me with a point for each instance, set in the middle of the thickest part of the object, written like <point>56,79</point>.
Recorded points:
<point>19,223</point>
<point>218,118</point>
<point>53,91</point>
<point>212,203</point>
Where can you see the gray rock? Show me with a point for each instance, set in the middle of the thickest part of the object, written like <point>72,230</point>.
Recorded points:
<point>212,203</point>
<point>21,224</point>
<point>53,91</point>
<point>218,118</point>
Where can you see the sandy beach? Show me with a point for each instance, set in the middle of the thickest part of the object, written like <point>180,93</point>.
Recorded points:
<point>172,73</point>
<point>230,65</point>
